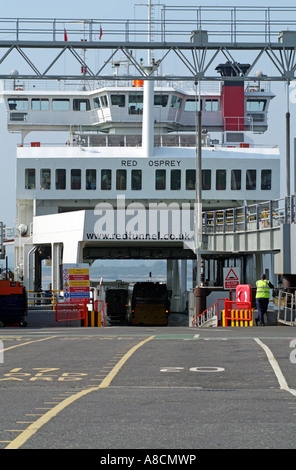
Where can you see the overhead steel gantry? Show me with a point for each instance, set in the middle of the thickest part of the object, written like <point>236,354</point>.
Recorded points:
<point>197,38</point>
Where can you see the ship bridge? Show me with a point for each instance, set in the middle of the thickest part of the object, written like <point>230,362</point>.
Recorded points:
<point>114,109</point>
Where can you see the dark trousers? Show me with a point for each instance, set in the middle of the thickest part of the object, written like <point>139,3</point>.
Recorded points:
<point>262,305</point>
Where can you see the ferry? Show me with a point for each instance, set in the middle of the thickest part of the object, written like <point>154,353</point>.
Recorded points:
<point>129,166</point>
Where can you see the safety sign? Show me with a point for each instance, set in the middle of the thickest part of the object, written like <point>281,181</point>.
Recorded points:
<point>75,281</point>
<point>231,278</point>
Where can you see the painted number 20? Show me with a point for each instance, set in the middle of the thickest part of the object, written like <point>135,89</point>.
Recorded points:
<point>193,369</point>
<point>293,353</point>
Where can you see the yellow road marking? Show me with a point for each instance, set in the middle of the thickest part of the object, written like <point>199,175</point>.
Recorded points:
<point>34,427</point>
<point>25,344</point>
<point>24,422</point>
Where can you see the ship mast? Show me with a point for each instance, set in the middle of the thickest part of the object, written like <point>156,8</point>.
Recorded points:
<point>148,101</point>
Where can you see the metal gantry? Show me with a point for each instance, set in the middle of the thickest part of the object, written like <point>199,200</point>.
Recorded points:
<point>196,36</point>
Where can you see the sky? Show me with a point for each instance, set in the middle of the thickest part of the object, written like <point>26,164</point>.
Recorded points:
<point>119,9</point>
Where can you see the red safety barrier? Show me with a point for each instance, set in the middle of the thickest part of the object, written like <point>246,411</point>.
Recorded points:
<point>70,311</point>
<point>237,313</point>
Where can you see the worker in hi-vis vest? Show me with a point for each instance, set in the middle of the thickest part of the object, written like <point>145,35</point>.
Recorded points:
<point>262,298</point>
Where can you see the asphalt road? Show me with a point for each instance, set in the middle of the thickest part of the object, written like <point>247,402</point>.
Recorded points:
<point>174,388</point>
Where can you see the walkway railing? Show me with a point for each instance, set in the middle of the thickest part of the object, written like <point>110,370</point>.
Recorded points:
<point>42,298</point>
<point>264,215</point>
<point>286,308</point>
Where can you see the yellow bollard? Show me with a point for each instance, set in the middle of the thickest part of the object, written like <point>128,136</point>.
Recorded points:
<point>93,318</point>
<point>223,318</point>
<point>251,316</point>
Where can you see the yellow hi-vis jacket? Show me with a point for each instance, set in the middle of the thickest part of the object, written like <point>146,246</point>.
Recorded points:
<point>262,289</point>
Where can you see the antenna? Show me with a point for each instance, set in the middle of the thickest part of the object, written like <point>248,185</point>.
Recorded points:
<point>150,28</point>
<point>149,31</point>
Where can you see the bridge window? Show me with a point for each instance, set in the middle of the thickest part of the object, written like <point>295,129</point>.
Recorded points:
<point>60,104</point>
<point>265,179</point>
<point>118,100</point>
<point>81,105</point>
<point>160,179</point>
<point>135,103</point>
<point>75,179</point>
<point>97,103</point>
<point>104,101</point>
<point>121,179</point>
<point>45,178</point>
<point>175,180</point>
<point>30,179</point>
<point>212,105</point>
<point>106,179</point>
<point>255,105</point>
<point>192,104</point>
<point>206,179</point>
<point>90,179</point>
<point>251,179</point>
<point>161,100</point>
<point>18,104</point>
<point>190,179</point>
<point>236,179</point>
<point>176,102</point>
<point>60,178</point>
<point>38,104</point>
<point>136,180</point>
<point>220,180</point>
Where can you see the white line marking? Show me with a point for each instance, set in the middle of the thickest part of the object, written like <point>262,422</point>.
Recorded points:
<point>276,368</point>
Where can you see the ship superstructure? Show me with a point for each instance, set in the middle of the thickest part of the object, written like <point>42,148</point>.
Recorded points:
<point>132,148</point>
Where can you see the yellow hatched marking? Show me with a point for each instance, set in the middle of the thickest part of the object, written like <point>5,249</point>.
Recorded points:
<point>34,427</point>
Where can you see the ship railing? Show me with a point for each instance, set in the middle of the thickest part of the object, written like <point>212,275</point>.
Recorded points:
<point>129,140</point>
<point>245,123</point>
<point>15,84</point>
<point>92,139</point>
<point>258,86</point>
<point>264,215</point>
<point>8,232</point>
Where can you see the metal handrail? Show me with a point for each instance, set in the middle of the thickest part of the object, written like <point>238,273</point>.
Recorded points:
<point>206,315</point>
<point>286,308</point>
<point>254,217</point>
<point>234,23</point>
<point>40,298</point>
